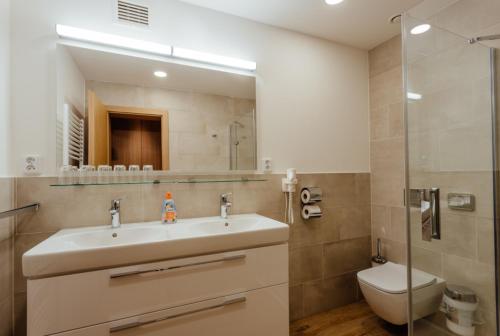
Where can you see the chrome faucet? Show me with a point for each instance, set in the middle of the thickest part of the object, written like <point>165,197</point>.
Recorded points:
<point>225,205</point>
<point>115,213</point>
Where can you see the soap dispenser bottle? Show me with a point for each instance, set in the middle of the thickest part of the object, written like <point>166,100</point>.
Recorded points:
<point>168,210</point>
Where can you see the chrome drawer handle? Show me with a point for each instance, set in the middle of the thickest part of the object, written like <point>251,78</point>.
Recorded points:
<point>228,257</point>
<point>227,300</point>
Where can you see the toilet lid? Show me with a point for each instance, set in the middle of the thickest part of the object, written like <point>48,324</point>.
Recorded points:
<point>391,278</point>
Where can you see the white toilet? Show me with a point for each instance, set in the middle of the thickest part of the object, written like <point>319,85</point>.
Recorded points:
<point>385,289</point>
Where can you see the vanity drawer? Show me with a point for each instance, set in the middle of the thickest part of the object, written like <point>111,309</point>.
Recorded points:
<point>259,312</point>
<point>78,300</point>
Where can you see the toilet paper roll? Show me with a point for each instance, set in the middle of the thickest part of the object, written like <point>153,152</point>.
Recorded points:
<point>311,211</point>
<point>310,195</point>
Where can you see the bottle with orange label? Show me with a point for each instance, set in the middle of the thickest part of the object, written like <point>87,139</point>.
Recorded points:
<point>168,210</point>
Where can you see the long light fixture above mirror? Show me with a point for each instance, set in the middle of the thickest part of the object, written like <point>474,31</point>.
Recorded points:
<point>85,35</point>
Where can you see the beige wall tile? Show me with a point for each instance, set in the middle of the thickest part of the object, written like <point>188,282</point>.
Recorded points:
<point>386,88</point>
<point>391,250</point>
<point>347,256</point>
<point>479,277</point>
<point>459,235</point>
<point>7,194</point>
<point>296,302</point>
<point>329,293</point>
<point>22,244</point>
<point>380,221</point>
<point>6,269</point>
<point>353,222</point>
<point>306,263</point>
<point>485,240</point>
<point>6,325</point>
<point>396,120</point>
<point>427,261</point>
<point>398,224</point>
<point>385,56</point>
<point>20,314</point>
<point>379,123</point>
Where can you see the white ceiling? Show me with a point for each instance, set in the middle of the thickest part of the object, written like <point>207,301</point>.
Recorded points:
<point>359,23</point>
<point>110,67</point>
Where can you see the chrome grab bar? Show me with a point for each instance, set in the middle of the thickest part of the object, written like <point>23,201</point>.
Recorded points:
<point>181,311</point>
<point>137,270</point>
<point>20,210</point>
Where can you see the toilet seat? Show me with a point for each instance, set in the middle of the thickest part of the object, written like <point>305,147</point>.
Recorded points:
<point>391,278</point>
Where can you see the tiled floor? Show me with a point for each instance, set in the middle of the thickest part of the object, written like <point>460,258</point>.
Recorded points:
<point>356,319</point>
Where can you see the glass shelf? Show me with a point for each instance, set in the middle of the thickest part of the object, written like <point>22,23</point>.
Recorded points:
<point>163,181</point>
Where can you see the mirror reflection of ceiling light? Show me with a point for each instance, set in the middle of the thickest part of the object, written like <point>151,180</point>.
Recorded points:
<point>160,74</point>
<point>333,2</point>
<point>414,96</point>
<point>420,29</point>
<point>113,40</point>
<point>85,35</point>
<point>199,56</point>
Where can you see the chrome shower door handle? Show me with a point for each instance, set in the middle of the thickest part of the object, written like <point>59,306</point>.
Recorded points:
<point>435,213</point>
<point>427,201</point>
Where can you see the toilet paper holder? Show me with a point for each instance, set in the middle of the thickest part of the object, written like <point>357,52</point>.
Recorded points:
<point>309,196</point>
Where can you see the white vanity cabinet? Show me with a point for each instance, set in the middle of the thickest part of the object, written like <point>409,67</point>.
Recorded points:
<point>230,293</point>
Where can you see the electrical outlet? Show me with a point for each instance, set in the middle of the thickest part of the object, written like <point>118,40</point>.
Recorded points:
<point>32,165</point>
<point>267,164</point>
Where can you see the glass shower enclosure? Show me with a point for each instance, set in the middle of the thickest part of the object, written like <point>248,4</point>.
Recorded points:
<point>451,120</point>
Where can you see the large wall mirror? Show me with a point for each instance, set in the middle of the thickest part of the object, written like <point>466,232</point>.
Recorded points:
<point>117,109</point>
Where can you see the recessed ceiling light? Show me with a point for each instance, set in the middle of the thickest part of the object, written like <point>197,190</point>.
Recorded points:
<point>333,2</point>
<point>420,29</point>
<point>161,74</point>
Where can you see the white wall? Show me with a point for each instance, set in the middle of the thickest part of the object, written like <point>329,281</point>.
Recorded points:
<point>4,86</point>
<point>312,94</point>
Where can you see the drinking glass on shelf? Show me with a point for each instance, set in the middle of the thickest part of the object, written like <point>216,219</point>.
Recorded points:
<point>66,175</point>
<point>147,171</point>
<point>119,172</point>
<point>86,174</point>
<point>104,174</point>
<point>134,173</point>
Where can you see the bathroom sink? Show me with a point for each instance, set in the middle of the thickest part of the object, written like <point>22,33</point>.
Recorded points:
<point>83,249</point>
<point>230,226</point>
<point>104,237</point>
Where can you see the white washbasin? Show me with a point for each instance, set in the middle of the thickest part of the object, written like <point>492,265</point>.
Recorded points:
<point>83,249</point>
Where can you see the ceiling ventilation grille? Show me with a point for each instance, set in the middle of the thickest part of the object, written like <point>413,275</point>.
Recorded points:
<point>133,13</point>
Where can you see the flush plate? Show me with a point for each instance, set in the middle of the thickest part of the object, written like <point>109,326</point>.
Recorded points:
<point>461,202</point>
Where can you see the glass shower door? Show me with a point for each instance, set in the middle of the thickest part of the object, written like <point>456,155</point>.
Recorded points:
<point>450,175</point>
